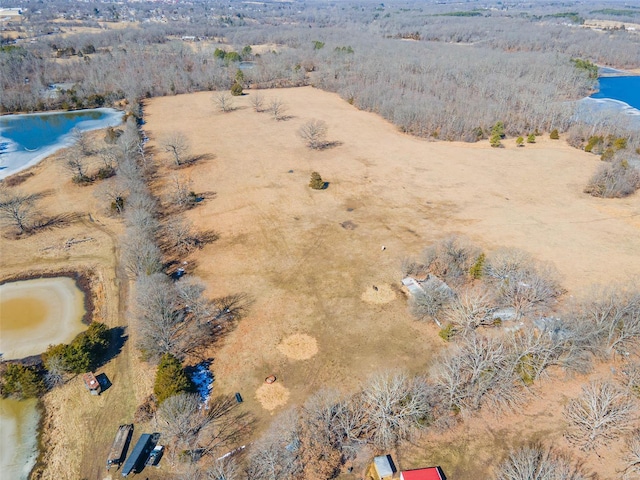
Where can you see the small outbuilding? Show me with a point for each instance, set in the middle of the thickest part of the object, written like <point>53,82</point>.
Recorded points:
<point>431,473</point>
<point>384,466</point>
<point>92,384</point>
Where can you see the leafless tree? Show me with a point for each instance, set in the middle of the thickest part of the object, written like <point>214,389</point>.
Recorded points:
<point>614,180</point>
<point>177,145</point>
<point>432,300</point>
<point>180,237</point>
<point>257,101</point>
<point>196,430</point>
<point>451,259</point>
<point>224,469</point>
<point>472,308</point>
<point>113,191</point>
<point>396,406</point>
<point>76,163</point>
<point>477,371</point>
<point>82,141</point>
<point>224,102</point>
<point>18,209</point>
<point>140,253</point>
<point>181,194</point>
<point>601,413</point>
<point>277,108</point>
<point>609,319</point>
<point>276,455</point>
<point>522,283</point>
<point>536,462</point>
<point>320,440</point>
<point>632,457</point>
<point>314,133</point>
<point>56,371</point>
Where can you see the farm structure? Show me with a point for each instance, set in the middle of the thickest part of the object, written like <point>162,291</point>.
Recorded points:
<point>139,455</point>
<point>92,384</point>
<point>431,473</point>
<point>120,445</point>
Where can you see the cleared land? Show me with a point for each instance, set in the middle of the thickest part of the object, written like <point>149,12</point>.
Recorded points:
<point>308,260</point>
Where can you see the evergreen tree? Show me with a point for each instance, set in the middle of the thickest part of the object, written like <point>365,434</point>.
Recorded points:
<point>171,379</point>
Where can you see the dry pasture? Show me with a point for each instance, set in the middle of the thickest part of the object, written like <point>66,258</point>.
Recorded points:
<point>287,248</point>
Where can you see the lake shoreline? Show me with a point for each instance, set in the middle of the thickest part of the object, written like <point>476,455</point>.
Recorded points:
<point>16,157</point>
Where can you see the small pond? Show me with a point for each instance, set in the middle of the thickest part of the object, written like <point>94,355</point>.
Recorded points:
<point>37,313</point>
<point>26,139</point>
<point>18,437</point>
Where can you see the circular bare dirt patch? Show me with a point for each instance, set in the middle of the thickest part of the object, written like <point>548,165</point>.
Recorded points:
<point>272,395</point>
<point>378,294</point>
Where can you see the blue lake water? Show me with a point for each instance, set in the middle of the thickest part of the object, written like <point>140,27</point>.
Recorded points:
<point>618,98</point>
<point>623,89</point>
<point>28,138</point>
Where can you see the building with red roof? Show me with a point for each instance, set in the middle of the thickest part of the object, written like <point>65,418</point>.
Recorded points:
<point>431,473</point>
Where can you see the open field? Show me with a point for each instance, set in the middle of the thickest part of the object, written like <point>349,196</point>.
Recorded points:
<point>308,260</point>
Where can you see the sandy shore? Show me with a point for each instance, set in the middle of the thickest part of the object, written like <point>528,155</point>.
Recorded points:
<point>37,313</point>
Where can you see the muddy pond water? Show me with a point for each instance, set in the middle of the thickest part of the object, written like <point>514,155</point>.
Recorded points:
<point>33,315</point>
<point>37,313</point>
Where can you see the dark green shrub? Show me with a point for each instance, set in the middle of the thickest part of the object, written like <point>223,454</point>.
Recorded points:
<point>554,135</point>
<point>607,155</point>
<point>171,379</point>
<point>477,269</point>
<point>236,89</point>
<point>498,129</point>
<point>316,181</point>
<point>594,144</point>
<point>494,141</point>
<point>447,333</point>
<point>21,382</point>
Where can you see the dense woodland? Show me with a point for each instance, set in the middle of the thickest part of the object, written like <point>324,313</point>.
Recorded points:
<point>447,71</point>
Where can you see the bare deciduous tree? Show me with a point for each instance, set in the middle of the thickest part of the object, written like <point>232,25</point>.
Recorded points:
<point>113,191</point>
<point>77,163</point>
<point>472,308</point>
<point>632,457</point>
<point>602,412</point>
<point>609,320</point>
<point>181,194</point>
<point>196,430</point>
<point>224,102</point>
<point>177,146</point>
<point>180,237</point>
<point>396,405</point>
<point>276,455</point>
<point>257,101</point>
<point>451,259</point>
<point>277,108</point>
<point>476,372</point>
<point>522,283</point>
<point>432,300</point>
<point>314,133</point>
<point>140,253</point>
<point>17,209</point>
<point>536,462</point>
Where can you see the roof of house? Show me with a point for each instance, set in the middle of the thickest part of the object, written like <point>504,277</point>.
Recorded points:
<point>431,473</point>
<point>384,466</point>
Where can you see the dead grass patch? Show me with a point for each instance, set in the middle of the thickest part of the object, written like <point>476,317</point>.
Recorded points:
<point>378,294</point>
<point>299,346</point>
<point>272,396</point>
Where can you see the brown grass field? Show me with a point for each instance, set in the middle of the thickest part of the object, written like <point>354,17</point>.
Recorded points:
<point>313,318</point>
<point>287,248</point>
